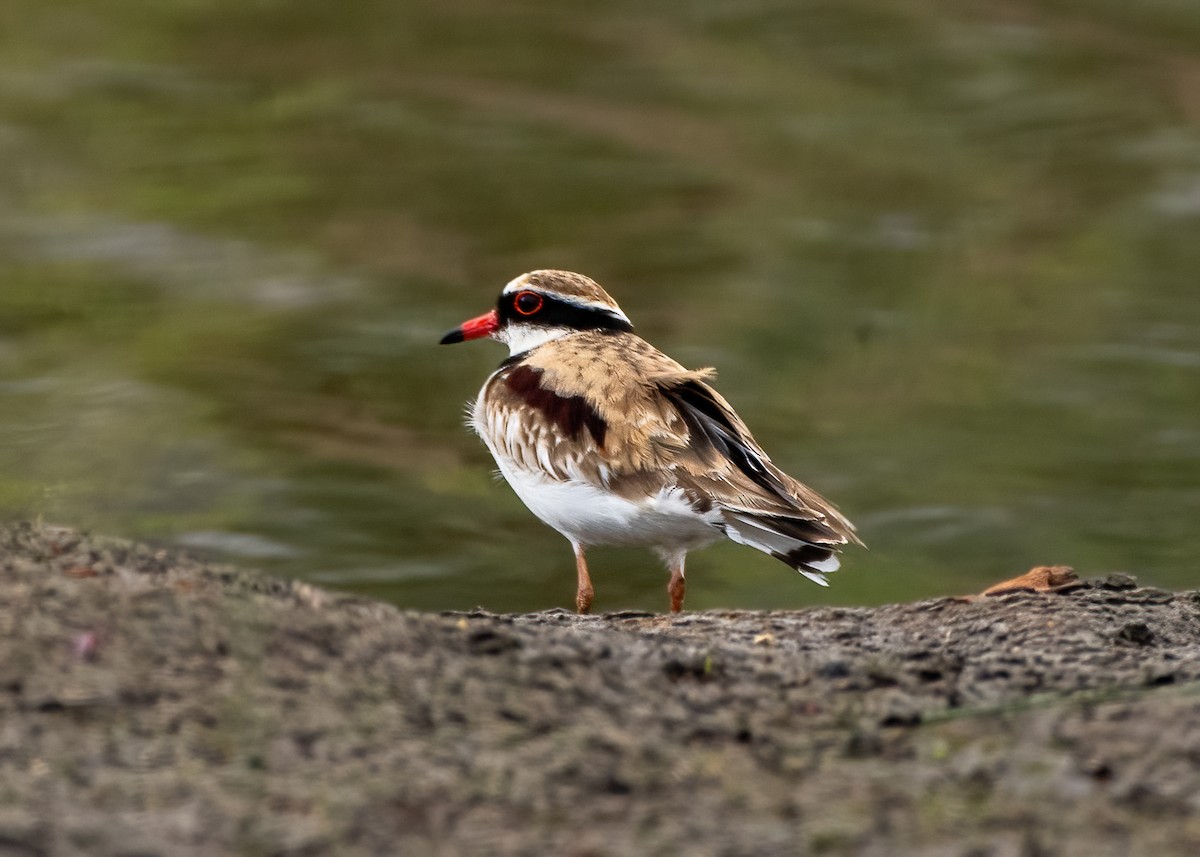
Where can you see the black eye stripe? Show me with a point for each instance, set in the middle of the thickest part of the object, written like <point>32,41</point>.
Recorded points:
<point>555,312</point>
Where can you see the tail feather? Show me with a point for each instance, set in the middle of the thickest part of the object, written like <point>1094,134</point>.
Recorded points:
<point>777,536</point>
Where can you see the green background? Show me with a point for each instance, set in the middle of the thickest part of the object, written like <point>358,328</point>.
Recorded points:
<point>944,255</point>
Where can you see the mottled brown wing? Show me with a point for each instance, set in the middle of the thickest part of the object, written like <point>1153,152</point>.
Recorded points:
<point>760,488</point>
<point>762,506</point>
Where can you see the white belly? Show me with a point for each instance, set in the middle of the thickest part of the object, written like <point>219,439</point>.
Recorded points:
<point>584,512</point>
<point>589,515</point>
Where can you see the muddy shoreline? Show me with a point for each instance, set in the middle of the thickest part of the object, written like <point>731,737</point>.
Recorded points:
<point>153,704</point>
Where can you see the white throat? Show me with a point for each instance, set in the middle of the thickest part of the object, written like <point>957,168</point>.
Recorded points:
<point>522,337</point>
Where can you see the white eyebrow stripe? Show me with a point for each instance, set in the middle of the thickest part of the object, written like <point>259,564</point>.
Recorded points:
<point>609,309</point>
<point>515,284</point>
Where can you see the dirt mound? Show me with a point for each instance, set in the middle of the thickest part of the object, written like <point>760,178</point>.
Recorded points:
<point>151,704</point>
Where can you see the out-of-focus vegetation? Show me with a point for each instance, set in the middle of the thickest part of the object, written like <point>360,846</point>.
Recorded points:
<point>945,256</point>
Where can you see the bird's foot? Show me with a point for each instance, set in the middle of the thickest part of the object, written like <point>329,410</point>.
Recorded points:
<point>675,589</point>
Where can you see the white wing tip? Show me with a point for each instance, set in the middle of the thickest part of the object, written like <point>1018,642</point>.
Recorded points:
<point>815,576</point>
<point>829,564</point>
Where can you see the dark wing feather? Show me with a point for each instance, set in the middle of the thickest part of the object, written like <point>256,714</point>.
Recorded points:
<point>784,518</point>
<point>710,422</point>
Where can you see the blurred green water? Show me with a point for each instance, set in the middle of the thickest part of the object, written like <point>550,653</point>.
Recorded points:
<point>944,256</point>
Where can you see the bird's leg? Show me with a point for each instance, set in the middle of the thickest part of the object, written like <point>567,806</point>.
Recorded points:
<point>583,590</point>
<point>676,585</point>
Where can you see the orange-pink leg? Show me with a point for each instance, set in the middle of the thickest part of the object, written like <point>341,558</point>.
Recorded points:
<point>676,586</point>
<point>583,590</point>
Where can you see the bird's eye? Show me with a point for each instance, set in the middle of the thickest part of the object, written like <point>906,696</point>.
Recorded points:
<point>527,303</point>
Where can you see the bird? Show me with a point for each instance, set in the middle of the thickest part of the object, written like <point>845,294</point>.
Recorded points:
<point>611,442</point>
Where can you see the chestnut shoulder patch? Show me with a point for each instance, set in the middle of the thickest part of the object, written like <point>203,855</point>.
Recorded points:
<point>571,415</point>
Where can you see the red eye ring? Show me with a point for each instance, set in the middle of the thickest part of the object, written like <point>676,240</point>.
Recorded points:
<point>527,303</point>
